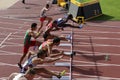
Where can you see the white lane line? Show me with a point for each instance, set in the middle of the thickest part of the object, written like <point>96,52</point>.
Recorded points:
<point>30,20</point>
<point>88,65</point>
<point>88,45</point>
<point>89,52</point>
<point>16,38</point>
<point>84,37</point>
<point>6,64</point>
<point>11,29</point>
<point>97,45</point>
<point>5,34</point>
<point>101,25</point>
<point>9,53</point>
<point>91,31</point>
<point>92,63</point>
<point>13,43</point>
<point>11,46</point>
<point>101,77</point>
<point>5,39</point>
<point>10,23</point>
<point>101,32</point>
<point>94,37</point>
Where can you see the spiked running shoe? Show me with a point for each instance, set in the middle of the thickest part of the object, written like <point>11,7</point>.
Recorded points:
<point>61,74</point>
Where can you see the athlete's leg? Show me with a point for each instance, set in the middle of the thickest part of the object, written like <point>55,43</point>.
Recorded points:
<point>25,51</point>
<point>49,19</point>
<point>43,70</point>
<point>12,76</point>
<point>42,19</point>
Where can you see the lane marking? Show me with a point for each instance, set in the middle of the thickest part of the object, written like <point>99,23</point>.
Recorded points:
<point>5,39</point>
<point>92,63</point>
<point>8,52</point>
<point>30,20</point>
<point>11,29</point>
<point>68,63</point>
<point>89,52</point>
<point>101,77</point>
<point>96,25</point>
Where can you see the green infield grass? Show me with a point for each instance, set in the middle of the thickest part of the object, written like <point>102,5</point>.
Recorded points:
<point>110,10</point>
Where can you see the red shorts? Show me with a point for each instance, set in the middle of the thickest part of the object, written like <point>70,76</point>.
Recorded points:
<point>27,46</point>
<point>42,19</point>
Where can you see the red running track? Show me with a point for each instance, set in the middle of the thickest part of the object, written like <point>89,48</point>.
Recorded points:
<point>91,43</point>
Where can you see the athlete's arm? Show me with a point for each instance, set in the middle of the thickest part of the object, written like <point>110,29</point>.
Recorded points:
<point>36,35</point>
<point>49,59</point>
<point>49,50</point>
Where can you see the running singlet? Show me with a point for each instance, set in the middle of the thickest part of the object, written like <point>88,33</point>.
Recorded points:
<point>44,45</point>
<point>50,25</point>
<point>27,37</point>
<point>43,12</point>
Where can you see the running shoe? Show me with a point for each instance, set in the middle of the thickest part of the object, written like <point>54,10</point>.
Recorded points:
<point>68,37</point>
<point>62,74</point>
<point>81,26</point>
<point>20,66</point>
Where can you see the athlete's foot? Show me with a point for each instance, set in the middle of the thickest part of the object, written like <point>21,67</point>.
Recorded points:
<point>20,66</point>
<point>69,37</point>
<point>81,26</point>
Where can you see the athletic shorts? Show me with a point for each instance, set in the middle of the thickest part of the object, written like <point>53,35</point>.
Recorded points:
<point>27,46</point>
<point>42,19</point>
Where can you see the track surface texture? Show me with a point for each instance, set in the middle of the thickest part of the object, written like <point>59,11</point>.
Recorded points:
<point>96,41</point>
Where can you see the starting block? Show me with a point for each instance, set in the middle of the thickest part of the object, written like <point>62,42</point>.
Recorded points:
<point>69,53</point>
<point>67,45</point>
<point>61,3</point>
<point>62,64</point>
<point>79,19</point>
<point>62,78</point>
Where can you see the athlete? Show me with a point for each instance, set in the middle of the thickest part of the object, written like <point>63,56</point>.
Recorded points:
<point>62,22</point>
<point>48,45</point>
<point>44,17</point>
<point>28,41</point>
<point>40,58</point>
<point>32,72</point>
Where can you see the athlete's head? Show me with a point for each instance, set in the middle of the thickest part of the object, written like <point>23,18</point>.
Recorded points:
<point>56,41</point>
<point>34,26</point>
<point>47,36</point>
<point>47,6</point>
<point>70,16</point>
<point>41,54</point>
